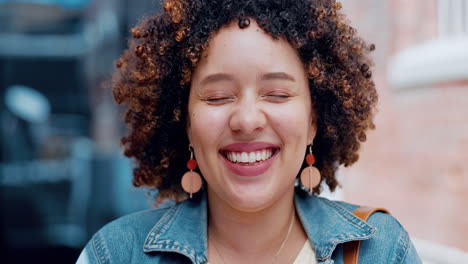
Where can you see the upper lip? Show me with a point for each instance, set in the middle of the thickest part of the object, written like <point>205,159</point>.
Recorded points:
<point>248,147</point>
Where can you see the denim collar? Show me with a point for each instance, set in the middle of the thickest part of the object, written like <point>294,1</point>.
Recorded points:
<point>328,224</point>
<point>183,228</point>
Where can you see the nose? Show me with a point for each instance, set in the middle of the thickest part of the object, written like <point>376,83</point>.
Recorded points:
<point>248,116</point>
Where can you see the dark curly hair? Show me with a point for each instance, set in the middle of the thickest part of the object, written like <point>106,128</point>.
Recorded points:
<point>154,74</point>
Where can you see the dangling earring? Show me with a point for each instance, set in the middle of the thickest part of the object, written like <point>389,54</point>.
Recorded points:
<point>191,181</point>
<point>310,176</point>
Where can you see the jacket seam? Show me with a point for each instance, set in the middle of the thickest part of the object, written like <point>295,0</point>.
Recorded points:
<point>405,247</point>
<point>98,247</point>
<point>95,252</point>
<point>155,231</point>
<point>156,225</point>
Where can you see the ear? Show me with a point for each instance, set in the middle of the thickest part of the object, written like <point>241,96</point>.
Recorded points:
<point>312,130</point>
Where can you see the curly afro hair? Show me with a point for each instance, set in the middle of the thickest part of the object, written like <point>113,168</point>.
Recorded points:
<point>154,74</point>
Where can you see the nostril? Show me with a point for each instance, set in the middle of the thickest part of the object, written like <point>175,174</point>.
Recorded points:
<point>247,121</point>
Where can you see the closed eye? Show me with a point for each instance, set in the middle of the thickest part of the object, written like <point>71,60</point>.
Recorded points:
<point>277,98</point>
<point>280,96</point>
<point>219,100</point>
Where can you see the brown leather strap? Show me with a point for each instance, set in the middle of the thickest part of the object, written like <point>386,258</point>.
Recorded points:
<point>351,249</point>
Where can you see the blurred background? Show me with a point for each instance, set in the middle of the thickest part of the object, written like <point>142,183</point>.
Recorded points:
<point>63,176</point>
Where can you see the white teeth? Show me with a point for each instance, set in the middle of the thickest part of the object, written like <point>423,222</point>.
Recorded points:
<point>244,157</point>
<point>258,155</point>
<point>250,157</point>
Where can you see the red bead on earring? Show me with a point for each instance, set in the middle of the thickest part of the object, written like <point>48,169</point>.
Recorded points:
<point>191,181</point>
<point>310,176</point>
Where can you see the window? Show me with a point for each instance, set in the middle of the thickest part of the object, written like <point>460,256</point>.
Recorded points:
<point>453,17</point>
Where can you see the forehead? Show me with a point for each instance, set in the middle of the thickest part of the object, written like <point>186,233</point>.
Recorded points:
<point>250,48</point>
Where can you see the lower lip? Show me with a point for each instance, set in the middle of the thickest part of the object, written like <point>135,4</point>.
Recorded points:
<point>250,170</point>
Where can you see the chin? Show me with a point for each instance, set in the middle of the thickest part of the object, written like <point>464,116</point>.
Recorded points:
<point>251,199</point>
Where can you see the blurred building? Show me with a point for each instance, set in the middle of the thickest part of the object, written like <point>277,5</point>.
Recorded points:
<point>416,162</point>
<point>62,174</point>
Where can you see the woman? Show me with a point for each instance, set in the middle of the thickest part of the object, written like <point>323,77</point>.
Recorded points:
<point>233,104</point>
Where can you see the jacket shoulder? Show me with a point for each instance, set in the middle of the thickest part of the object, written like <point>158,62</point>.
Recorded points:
<point>390,244</point>
<point>390,234</point>
<point>122,238</point>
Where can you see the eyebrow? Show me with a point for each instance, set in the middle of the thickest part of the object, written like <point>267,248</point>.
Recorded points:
<point>217,77</point>
<point>277,76</point>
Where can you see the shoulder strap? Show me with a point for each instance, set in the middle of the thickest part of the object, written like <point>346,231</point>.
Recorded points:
<point>351,249</point>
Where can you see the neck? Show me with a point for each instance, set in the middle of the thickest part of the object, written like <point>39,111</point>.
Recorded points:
<point>251,234</point>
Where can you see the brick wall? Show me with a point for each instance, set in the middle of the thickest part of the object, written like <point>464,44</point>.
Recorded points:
<point>416,162</point>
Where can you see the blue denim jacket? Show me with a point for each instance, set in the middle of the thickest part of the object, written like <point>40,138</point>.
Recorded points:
<point>179,235</point>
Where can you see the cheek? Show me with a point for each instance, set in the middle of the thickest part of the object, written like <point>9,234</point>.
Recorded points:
<point>290,122</point>
<point>207,125</point>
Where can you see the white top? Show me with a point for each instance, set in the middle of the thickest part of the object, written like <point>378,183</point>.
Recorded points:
<point>305,256</point>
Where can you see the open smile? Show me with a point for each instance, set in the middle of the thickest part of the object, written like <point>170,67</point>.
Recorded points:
<point>249,159</point>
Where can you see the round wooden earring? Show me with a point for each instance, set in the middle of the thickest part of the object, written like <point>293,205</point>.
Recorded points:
<point>310,176</point>
<point>191,181</point>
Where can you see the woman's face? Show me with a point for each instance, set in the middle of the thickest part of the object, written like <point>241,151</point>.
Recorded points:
<point>250,117</point>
